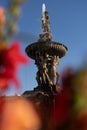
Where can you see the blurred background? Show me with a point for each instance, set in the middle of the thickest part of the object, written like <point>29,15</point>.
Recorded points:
<point>68,21</point>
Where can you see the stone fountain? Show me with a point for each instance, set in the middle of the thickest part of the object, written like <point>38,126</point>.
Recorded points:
<point>46,54</point>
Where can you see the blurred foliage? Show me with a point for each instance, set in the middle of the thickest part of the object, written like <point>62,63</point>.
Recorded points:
<point>8,19</point>
<point>10,55</point>
<point>71,103</point>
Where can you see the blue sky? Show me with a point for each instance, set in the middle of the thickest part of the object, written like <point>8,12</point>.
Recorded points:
<point>68,19</point>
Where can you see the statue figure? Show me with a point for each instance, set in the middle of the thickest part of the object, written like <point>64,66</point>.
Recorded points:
<point>52,62</point>
<point>42,76</point>
<point>54,72</point>
<point>47,74</point>
<point>46,27</point>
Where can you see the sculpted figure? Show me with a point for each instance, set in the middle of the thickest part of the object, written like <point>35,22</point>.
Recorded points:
<point>42,75</point>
